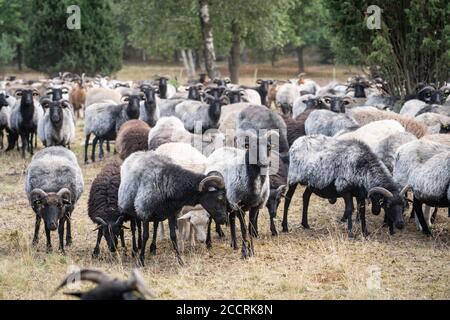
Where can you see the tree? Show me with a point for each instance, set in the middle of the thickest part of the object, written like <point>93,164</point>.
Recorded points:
<point>208,39</point>
<point>94,48</point>
<point>412,45</point>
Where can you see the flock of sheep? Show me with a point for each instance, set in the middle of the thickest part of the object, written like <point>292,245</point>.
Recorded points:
<point>213,150</point>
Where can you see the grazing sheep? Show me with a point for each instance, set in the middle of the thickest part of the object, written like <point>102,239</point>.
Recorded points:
<point>153,188</point>
<point>53,185</point>
<point>245,173</point>
<point>132,137</point>
<point>332,168</point>
<point>56,127</point>
<point>25,115</point>
<point>329,123</point>
<point>105,119</point>
<point>255,118</point>
<point>108,288</point>
<point>103,209</point>
<point>387,148</point>
<point>436,123</point>
<point>363,116</point>
<point>286,95</point>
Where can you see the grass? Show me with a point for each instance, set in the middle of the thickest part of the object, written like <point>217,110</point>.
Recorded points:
<point>320,263</point>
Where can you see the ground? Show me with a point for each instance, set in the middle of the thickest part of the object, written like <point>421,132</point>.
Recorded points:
<point>319,263</point>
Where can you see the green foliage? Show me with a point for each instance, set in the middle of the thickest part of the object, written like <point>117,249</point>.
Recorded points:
<point>7,50</point>
<point>94,48</point>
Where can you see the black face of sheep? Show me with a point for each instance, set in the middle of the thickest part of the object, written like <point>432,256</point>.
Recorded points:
<point>393,205</point>
<point>194,93</point>
<point>337,104</point>
<point>150,93</point>
<point>263,89</point>
<point>445,128</point>
<point>258,149</point>
<point>163,87</point>
<point>445,93</point>
<point>429,94</point>
<point>51,206</point>
<point>315,103</point>
<point>216,92</point>
<point>3,102</point>
<point>26,96</point>
<point>359,84</point>
<point>213,197</point>
<point>56,94</point>
<point>274,200</point>
<point>133,105</point>
<point>215,105</point>
<point>55,109</point>
<point>234,95</point>
<point>111,231</point>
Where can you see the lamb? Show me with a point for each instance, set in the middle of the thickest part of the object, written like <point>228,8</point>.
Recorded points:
<point>332,168</point>
<point>153,188</point>
<point>105,119</point>
<point>103,209</point>
<point>56,127</point>
<point>132,137</point>
<point>255,118</point>
<point>171,129</point>
<point>364,116</point>
<point>329,123</point>
<point>25,116</point>
<point>285,97</point>
<point>108,288</point>
<point>53,185</point>
<point>245,173</point>
<point>436,123</point>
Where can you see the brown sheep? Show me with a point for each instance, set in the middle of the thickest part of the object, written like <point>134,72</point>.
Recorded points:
<point>365,115</point>
<point>439,138</point>
<point>272,94</point>
<point>77,97</point>
<point>132,137</point>
<point>296,127</point>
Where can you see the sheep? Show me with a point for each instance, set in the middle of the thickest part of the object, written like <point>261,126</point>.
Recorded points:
<point>77,96</point>
<point>5,113</point>
<point>235,96</point>
<point>254,118</point>
<point>285,97</point>
<point>251,96</point>
<point>263,90</point>
<point>103,209</point>
<point>332,168</point>
<point>53,185</point>
<point>411,107</point>
<point>387,147</point>
<point>328,123</point>
<point>339,104</point>
<point>56,127</point>
<point>149,110</point>
<point>192,92</point>
<point>108,288</point>
<point>25,116</point>
<point>436,123</point>
<point>363,116</point>
<point>171,129</point>
<point>96,95</point>
<point>153,188</point>
<point>166,90</point>
<point>272,94</point>
<point>245,173</point>
<point>105,119</point>
<point>435,108</point>
<point>132,137</point>
<point>229,114</point>
<point>192,219</point>
<point>300,104</point>
<point>57,93</point>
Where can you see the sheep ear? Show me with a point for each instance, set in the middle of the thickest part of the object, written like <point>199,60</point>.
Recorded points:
<point>186,216</point>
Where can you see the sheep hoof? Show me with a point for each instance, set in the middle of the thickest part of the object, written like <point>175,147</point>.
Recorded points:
<point>234,246</point>
<point>305,225</point>
<point>49,249</point>
<point>274,232</point>
<point>35,242</point>
<point>141,261</point>
<point>285,229</point>
<point>153,249</point>
<point>68,241</point>
<point>253,233</point>
<point>62,251</point>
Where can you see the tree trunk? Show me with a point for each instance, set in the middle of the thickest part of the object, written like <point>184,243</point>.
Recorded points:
<point>235,52</point>
<point>273,57</point>
<point>301,62</point>
<point>198,61</point>
<point>191,61</point>
<point>19,56</point>
<point>208,40</point>
<point>187,66</point>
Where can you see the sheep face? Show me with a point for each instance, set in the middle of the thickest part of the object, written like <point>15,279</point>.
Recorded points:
<point>26,96</point>
<point>111,231</point>
<point>213,197</point>
<point>51,206</point>
<point>234,95</point>
<point>393,205</point>
<point>56,94</point>
<point>133,105</point>
<point>274,200</point>
<point>3,102</point>
<point>337,104</point>
<point>55,109</point>
<point>445,128</point>
<point>194,93</point>
<point>429,94</point>
<point>199,221</point>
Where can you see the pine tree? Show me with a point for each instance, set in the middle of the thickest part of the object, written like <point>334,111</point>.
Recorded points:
<point>94,48</point>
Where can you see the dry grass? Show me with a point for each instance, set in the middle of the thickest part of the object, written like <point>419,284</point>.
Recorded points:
<point>321,263</point>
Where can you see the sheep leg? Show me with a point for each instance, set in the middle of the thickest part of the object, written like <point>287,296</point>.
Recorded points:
<point>155,235</point>
<point>101,154</point>
<point>69,232</point>
<point>419,213</point>
<point>433,215</point>
<point>86,146</point>
<point>246,245</point>
<point>220,231</point>
<point>94,144</point>
<point>349,220</point>
<point>233,230</point>
<point>133,237</point>
<point>362,214</point>
<point>49,239</point>
<point>1,139</point>
<point>24,139</point>
<point>287,202</point>
<point>208,235</point>
<point>173,238</point>
<point>97,244</point>
<point>61,235</point>
<point>253,222</point>
<point>37,226</point>
<point>306,196</point>
<point>139,229</point>
<point>145,236</point>
<point>108,147</point>
<point>122,239</point>
<point>348,207</point>
<point>411,216</point>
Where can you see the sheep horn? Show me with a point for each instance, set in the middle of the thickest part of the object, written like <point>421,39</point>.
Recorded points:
<point>405,190</point>
<point>100,221</point>
<point>38,192</point>
<point>119,220</point>
<point>381,190</point>
<point>136,281</point>
<point>218,181</point>
<point>95,276</point>
<point>65,192</point>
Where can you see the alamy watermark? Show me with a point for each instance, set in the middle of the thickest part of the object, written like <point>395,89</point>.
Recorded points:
<point>373,21</point>
<point>373,281</point>
<point>73,22</point>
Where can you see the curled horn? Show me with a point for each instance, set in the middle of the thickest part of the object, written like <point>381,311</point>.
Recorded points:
<point>136,281</point>
<point>38,192</point>
<point>65,192</point>
<point>381,190</point>
<point>215,179</point>
<point>405,190</point>
<point>95,276</point>
<point>100,221</point>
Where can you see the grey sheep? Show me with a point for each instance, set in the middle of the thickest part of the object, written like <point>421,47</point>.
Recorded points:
<point>153,188</point>
<point>387,148</point>
<point>329,123</point>
<point>53,185</point>
<point>436,123</point>
<point>56,127</point>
